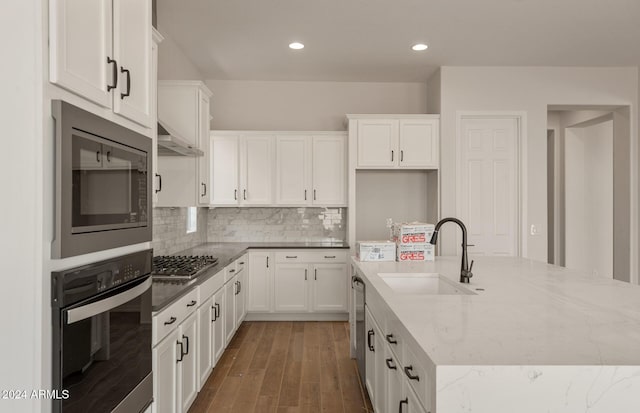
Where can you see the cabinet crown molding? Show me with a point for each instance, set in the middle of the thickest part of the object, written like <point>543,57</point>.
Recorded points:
<point>393,116</point>
<point>182,83</point>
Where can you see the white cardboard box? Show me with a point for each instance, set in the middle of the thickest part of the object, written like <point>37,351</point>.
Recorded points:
<point>416,252</point>
<point>376,251</point>
<point>412,232</point>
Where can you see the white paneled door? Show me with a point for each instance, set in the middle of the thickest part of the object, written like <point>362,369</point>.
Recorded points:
<point>489,184</point>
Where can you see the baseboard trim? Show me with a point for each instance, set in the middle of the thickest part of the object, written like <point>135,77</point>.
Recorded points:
<point>297,317</point>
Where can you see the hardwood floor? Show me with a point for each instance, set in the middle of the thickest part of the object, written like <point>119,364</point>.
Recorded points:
<point>285,367</point>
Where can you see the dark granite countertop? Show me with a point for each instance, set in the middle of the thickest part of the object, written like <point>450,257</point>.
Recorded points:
<point>167,292</point>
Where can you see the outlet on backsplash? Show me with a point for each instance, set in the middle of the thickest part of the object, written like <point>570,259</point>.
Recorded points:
<point>277,224</point>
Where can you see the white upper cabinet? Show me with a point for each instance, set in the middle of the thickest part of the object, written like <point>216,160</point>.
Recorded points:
<point>377,143</point>
<point>224,154</point>
<point>293,175</point>
<point>132,48</point>
<point>184,107</point>
<point>329,170</point>
<point>419,143</point>
<point>256,169</point>
<point>101,50</point>
<point>403,141</point>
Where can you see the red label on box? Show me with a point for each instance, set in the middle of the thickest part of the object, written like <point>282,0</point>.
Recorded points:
<point>412,256</point>
<point>417,238</point>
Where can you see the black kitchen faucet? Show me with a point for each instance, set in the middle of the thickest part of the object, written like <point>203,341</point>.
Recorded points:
<point>465,268</point>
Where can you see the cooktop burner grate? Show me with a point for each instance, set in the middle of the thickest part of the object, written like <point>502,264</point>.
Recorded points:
<point>181,266</point>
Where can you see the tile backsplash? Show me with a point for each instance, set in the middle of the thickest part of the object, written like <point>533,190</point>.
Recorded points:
<point>277,224</point>
<point>170,230</point>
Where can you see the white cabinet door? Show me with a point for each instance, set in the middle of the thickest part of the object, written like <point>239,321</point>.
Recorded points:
<point>379,399</point>
<point>330,287</point>
<point>370,355</point>
<point>290,287</point>
<point>80,48</point>
<point>204,173</point>
<point>329,170</point>
<point>394,380</point>
<point>419,143</point>
<point>224,169</point>
<point>293,173</point>
<point>229,310</point>
<point>165,363</point>
<point>188,367</point>
<point>260,283</point>
<point>205,320</point>
<point>132,48</point>
<point>256,169</point>
<point>217,330</point>
<point>377,143</point>
<point>412,402</point>
<point>178,181</point>
<point>240,297</point>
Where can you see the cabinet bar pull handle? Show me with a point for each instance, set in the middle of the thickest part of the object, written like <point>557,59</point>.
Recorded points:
<point>391,366</point>
<point>401,155</point>
<point>391,156</point>
<point>232,270</point>
<point>108,156</point>
<point>204,187</point>
<point>217,311</point>
<point>305,194</point>
<point>181,352</point>
<point>192,303</point>
<point>407,371</point>
<point>114,74</point>
<point>405,401</point>
<point>291,256</point>
<point>314,194</point>
<point>241,263</point>
<point>391,340</point>
<point>267,261</point>
<point>244,194</point>
<point>235,194</point>
<point>329,256</point>
<point>187,339</point>
<point>124,95</point>
<point>370,334</point>
<point>305,274</point>
<point>98,156</point>
<point>159,183</point>
<point>171,321</point>
<point>239,287</point>
<point>315,274</point>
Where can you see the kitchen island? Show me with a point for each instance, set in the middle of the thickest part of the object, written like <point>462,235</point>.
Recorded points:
<point>523,336</point>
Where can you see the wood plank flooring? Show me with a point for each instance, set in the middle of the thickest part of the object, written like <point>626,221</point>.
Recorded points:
<point>285,367</point>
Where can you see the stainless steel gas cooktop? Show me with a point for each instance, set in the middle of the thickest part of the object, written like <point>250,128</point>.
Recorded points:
<point>175,267</point>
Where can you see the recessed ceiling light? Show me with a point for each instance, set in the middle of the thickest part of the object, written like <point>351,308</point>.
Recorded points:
<point>420,47</point>
<point>296,46</point>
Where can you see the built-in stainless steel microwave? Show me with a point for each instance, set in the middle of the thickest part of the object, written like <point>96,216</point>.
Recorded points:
<point>103,183</point>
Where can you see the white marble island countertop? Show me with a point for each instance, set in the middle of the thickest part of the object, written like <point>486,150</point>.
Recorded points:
<point>555,339</point>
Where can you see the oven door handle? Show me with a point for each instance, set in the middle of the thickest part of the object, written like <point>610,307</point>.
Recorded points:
<point>109,303</point>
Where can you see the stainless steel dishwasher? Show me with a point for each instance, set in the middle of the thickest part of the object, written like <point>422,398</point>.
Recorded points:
<point>357,284</point>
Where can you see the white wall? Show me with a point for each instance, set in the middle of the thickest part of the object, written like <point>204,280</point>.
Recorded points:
<point>434,92</point>
<point>270,105</point>
<point>173,64</point>
<point>589,198</point>
<point>528,89</point>
<point>21,298</point>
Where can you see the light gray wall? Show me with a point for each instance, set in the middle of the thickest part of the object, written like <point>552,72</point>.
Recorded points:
<point>531,90</point>
<point>270,105</point>
<point>434,92</point>
<point>400,195</point>
<point>173,64</point>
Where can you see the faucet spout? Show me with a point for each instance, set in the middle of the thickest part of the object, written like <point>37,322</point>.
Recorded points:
<point>465,268</point>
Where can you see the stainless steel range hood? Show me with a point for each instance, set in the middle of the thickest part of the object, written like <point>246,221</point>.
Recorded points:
<point>170,143</point>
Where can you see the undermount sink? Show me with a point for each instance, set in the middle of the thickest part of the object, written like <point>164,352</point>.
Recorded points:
<point>422,283</point>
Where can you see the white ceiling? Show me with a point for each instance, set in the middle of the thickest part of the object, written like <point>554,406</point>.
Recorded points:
<point>370,40</point>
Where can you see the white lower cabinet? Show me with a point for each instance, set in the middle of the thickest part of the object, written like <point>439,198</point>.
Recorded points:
<point>165,371</point>
<point>187,362</point>
<point>240,305</point>
<point>205,336</point>
<point>229,310</point>
<point>260,281</point>
<point>217,331</point>
<point>290,288</point>
<point>329,288</point>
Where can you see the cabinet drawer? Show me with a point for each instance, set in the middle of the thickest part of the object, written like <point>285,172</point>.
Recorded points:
<point>338,256</point>
<point>241,263</point>
<point>293,256</point>
<point>416,374</point>
<point>170,318</point>
<point>230,271</point>
<point>209,287</point>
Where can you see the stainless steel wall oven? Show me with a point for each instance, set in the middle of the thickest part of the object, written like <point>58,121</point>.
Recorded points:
<point>103,183</point>
<point>102,353</point>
